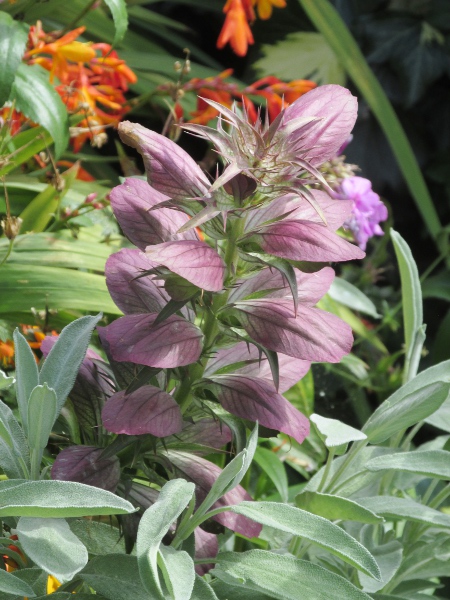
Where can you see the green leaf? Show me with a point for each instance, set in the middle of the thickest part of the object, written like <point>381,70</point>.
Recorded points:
<point>346,293</point>
<point>59,499</point>
<point>99,538</point>
<point>14,455</point>
<point>437,286</point>
<point>178,571</point>
<point>60,250</point>
<point>36,98</point>
<point>13,40</point>
<point>317,530</point>
<point>41,287</point>
<point>115,577</point>
<point>271,464</point>
<point>336,434</point>
<point>202,590</point>
<point>412,403</point>
<point>41,416</point>
<point>231,476</point>
<point>389,558</point>
<point>38,213</point>
<point>335,508</point>
<point>118,10</point>
<point>411,295</point>
<point>318,61</point>
<point>60,368</point>
<point>5,381</point>
<point>155,523</point>
<point>10,584</point>
<point>429,463</point>
<point>328,21</point>
<point>52,546</point>
<point>27,374</point>
<point>283,577</point>
<point>399,509</point>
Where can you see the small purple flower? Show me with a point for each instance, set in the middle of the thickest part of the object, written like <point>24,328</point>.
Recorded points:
<point>368,210</point>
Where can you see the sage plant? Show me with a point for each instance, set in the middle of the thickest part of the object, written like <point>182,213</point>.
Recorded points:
<point>230,270</point>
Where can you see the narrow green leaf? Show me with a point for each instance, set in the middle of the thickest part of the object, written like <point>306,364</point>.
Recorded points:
<point>178,571</point>
<point>36,216</point>
<point>10,584</point>
<point>271,464</point>
<point>155,523</point>
<point>335,508</point>
<point>27,374</point>
<point>59,499</point>
<point>61,366</point>
<point>52,546</point>
<point>42,415</point>
<point>429,463</point>
<point>118,10</point>
<point>316,529</point>
<point>232,474</point>
<point>328,21</point>
<point>14,455</point>
<point>399,509</point>
<point>411,292</point>
<point>115,577</point>
<point>36,98</point>
<point>13,40</point>
<point>283,577</point>
<point>346,293</point>
<point>41,286</point>
<point>413,402</point>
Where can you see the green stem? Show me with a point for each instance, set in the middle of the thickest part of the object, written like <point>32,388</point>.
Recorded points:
<point>210,326</point>
<point>8,252</point>
<point>441,497</point>
<point>74,23</point>
<point>326,471</point>
<point>357,446</point>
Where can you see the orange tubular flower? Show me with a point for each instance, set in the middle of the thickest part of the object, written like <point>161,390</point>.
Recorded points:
<point>236,29</point>
<point>265,7</point>
<point>6,353</point>
<point>93,80</point>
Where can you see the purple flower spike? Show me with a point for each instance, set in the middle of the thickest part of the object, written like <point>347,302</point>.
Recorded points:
<point>257,400</point>
<point>313,335</point>
<point>134,294</point>
<point>147,410</point>
<point>194,260</point>
<point>132,202</point>
<point>169,168</point>
<point>84,464</point>
<point>368,210</point>
<point>335,110</point>
<point>305,240</point>
<point>291,369</point>
<point>173,343</point>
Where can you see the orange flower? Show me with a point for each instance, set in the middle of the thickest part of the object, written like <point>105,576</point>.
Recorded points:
<point>236,29</point>
<point>7,353</point>
<point>265,7</point>
<point>93,80</point>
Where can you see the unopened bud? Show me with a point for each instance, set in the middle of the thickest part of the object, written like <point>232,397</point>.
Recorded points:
<point>187,67</point>
<point>90,198</point>
<point>11,226</point>
<point>44,157</point>
<point>179,94</point>
<point>177,66</point>
<point>99,140</point>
